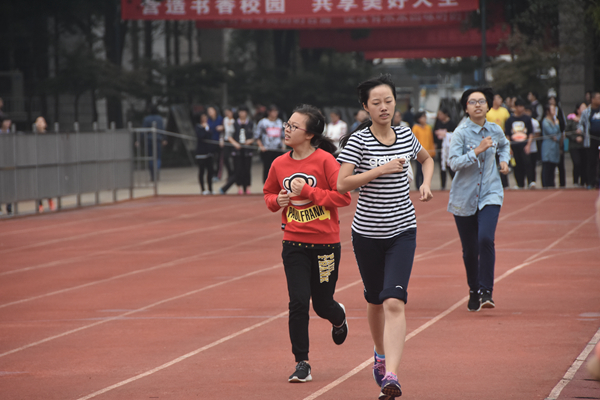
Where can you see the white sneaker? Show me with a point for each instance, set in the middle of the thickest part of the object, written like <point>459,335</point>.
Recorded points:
<point>206,192</point>
<point>532,185</point>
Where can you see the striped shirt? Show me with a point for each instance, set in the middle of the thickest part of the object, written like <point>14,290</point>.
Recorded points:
<point>384,207</point>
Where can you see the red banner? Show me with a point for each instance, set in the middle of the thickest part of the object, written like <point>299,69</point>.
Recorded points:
<point>446,52</point>
<point>373,21</point>
<point>401,38</point>
<point>256,9</point>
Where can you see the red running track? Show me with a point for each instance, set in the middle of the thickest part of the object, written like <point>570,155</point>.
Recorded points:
<point>185,298</point>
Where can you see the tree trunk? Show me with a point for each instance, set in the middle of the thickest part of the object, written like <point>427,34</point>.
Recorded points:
<point>114,37</point>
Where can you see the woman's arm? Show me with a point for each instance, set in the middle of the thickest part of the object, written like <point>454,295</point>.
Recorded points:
<point>427,162</point>
<point>348,181</point>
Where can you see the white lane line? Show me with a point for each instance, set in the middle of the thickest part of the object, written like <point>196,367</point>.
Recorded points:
<point>438,317</point>
<point>570,374</point>
<point>105,231</point>
<point>149,306</point>
<point>70,221</point>
<point>339,380</point>
<point>144,243</point>
<point>143,270</point>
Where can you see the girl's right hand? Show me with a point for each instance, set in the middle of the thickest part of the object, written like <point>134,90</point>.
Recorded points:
<point>283,198</point>
<point>393,166</point>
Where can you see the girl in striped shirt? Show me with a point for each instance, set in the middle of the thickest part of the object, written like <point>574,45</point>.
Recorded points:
<point>375,158</point>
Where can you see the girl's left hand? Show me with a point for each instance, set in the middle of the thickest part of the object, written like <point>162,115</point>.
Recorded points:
<point>426,194</point>
<point>297,185</point>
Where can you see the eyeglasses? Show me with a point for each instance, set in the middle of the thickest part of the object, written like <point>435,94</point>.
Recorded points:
<point>292,128</point>
<point>481,102</point>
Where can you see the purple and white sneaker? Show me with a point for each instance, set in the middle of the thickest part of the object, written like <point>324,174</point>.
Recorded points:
<point>390,387</point>
<point>378,370</point>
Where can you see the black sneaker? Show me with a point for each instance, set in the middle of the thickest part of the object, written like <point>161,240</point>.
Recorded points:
<point>486,299</point>
<point>474,301</point>
<point>339,333</point>
<point>302,373</point>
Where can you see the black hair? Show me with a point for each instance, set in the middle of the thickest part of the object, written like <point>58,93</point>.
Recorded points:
<point>272,107</point>
<point>364,91</point>
<point>153,109</point>
<point>487,92</point>
<point>337,112</point>
<point>419,115</point>
<point>547,109</point>
<point>315,124</point>
<point>520,102</point>
<point>242,108</point>
<point>534,93</point>
<point>444,111</point>
<point>577,105</point>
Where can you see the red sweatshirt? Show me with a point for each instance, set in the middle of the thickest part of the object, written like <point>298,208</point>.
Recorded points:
<point>311,217</point>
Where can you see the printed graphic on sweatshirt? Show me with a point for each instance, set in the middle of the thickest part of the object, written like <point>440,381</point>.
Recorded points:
<point>287,184</point>
<point>326,266</point>
<point>307,214</point>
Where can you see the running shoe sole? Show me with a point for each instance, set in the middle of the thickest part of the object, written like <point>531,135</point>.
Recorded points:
<point>295,379</point>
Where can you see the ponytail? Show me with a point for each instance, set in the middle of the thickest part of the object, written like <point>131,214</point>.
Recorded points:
<point>315,124</point>
<point>344,139</point>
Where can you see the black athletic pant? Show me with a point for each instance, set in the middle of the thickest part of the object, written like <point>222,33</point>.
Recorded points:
<point>522,167</point>
<point>310,272</point>
<point>205,165</point>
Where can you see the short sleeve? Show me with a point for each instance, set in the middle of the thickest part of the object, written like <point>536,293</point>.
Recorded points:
<point>352,153</point>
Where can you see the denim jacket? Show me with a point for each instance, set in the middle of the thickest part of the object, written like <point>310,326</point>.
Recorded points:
<point>477,181</point>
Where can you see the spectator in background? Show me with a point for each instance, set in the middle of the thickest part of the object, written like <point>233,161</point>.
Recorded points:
<point>215,122</point>
<point>228,129</point>
<point>360,117</point>
<point>336,128</point>
<point>424,135</point>
<point>397,120</point>
<point>533,149</point>
<point>589,126</point>
<point>408,116</point>
<point>550,145</point>
<point>560,117</point>
<point>270,137</point>
<point>5,123</point>
<point>588,98</point>
<point>149,121</point>
<point>443,127</point>
<point>204,157</point>
<point>498,115</point>
<point>242,137</point>
<point>537,110</point>
<point>576,148</point>
<point>520,130</point>
<point>40,127</point>
<point>1,108</point>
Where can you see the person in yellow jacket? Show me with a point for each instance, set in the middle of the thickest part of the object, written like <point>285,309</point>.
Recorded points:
<point>424,135</point>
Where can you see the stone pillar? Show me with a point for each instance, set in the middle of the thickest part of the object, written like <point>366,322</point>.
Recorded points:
<point>576,59</point>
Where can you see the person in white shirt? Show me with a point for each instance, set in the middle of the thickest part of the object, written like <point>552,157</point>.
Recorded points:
<point>336,128</point>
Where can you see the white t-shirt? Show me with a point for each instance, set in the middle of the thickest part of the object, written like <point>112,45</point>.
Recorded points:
<point>384,207</point>
<point>336,131</point>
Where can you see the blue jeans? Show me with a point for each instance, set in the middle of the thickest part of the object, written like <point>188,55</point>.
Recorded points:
<point>477,233</point>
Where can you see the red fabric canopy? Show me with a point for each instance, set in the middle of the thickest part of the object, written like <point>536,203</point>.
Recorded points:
<point>416,38</point>
<point>446,52</point>
<point>257,9</point>
<point>374,21</point>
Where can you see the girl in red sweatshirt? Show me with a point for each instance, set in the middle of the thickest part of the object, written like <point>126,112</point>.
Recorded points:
<point>303,183</point>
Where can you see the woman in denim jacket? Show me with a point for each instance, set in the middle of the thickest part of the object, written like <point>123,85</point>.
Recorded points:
<point>476,195</point>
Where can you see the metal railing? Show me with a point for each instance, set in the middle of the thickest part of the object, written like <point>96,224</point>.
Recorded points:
<point>35,166</point>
